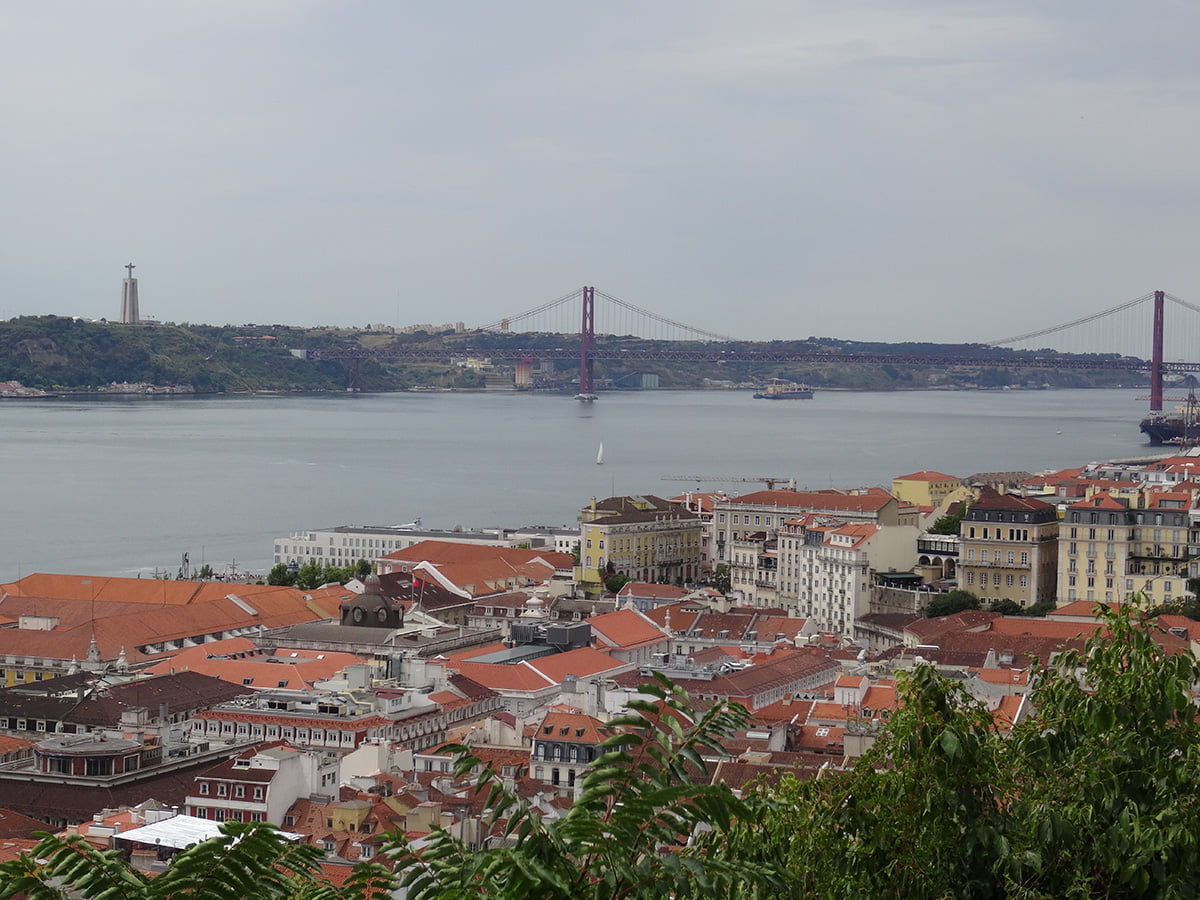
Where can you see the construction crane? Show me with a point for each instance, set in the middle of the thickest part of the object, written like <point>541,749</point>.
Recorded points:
<point>769,480</point>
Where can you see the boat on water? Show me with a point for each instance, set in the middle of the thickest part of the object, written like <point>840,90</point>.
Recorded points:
<point>1181,427</point>
<point>784,390</point>
<point>600,455</point>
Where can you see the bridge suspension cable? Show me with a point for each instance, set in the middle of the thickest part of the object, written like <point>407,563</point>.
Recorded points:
<point>529,313</point>
<point>1080,321</point>
<point>1192,306</point>
<point>575,295</point>
<point>674,323</point>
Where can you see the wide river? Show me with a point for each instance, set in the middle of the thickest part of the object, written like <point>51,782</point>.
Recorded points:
<point>121,486</point>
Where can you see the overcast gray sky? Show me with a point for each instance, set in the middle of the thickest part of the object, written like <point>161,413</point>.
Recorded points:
<point>877,170</point>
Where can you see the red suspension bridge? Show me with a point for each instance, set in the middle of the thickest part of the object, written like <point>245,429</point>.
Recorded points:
<point>1117,338</point>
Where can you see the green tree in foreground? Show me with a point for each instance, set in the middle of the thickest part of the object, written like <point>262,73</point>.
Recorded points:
<point>245,860</point>
<point>1092,797</point>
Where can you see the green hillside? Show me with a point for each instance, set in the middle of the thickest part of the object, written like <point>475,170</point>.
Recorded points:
<point>55,353</point>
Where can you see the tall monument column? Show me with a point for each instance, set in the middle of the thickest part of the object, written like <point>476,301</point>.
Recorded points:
<point>129,298</point>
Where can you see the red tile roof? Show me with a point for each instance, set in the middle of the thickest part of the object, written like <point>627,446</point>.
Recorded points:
<point>870,499</point>
<point>626,629</point>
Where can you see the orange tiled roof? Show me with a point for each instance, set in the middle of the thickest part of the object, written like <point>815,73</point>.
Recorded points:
<point>626,628</point>
<point>653,591</point>
<point>571,726</point>
<point>449,552</point>
<point>872,499</point>
<point>117,624</point>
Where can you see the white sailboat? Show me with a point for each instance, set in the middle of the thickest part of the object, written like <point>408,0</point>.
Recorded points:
<point>600,455</point>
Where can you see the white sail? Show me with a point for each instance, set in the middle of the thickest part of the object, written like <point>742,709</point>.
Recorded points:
<point>600,455</point>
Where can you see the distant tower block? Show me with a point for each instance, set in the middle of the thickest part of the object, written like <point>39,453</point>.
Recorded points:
<point>129,300</point>
<point>524,374</point>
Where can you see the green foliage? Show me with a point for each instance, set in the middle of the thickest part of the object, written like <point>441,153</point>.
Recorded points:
<point>637,800</point>
<point>244,860</point>
<point>281,575</point>
<point>1006,607</point>
<point>951,602</point>
<point>721,579</point>
<point>575,552</point>
<point>615,582</point>
<point>312,574</point>
<point>1093,797</point>
<point>205,573</point>
<point>947,524</point>
<point>1041,608</point>
<point>1107,772</point>
<point>921,814</point>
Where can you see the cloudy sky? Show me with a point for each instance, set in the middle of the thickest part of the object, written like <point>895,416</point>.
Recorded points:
<point>878,170</point>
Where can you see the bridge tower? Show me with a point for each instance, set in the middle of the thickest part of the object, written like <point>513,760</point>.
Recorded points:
<point>587,347</point>
<point>1156,360</point>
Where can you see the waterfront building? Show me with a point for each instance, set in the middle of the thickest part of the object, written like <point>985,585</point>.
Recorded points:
<point>754,565</point>
<point>925,489</point>
<point>645,538</point>
<point>701,503</point>
<point>1008,546</point>
<point>65,623</point>
<point>1112,548</point>
<point>758,518</point>
<point>827,566</point>
<point>344,545</point>
<point>472,571</point>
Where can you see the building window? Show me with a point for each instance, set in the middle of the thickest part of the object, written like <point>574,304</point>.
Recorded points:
<point>239,790</point>
<point>221,790</point>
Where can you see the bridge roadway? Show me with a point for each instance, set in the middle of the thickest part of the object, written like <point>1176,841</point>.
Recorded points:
<point>751,354</point>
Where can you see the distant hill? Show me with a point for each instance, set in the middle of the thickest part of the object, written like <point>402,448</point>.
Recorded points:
<point>56,353</point>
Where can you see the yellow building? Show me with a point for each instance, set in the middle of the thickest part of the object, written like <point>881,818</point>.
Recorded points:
<point>925,488</point>
<point>1008,549</point>
<point>1114,548</point>
<point>644,538</point>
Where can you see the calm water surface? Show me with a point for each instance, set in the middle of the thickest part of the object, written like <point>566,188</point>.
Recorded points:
<point>119,486</point>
